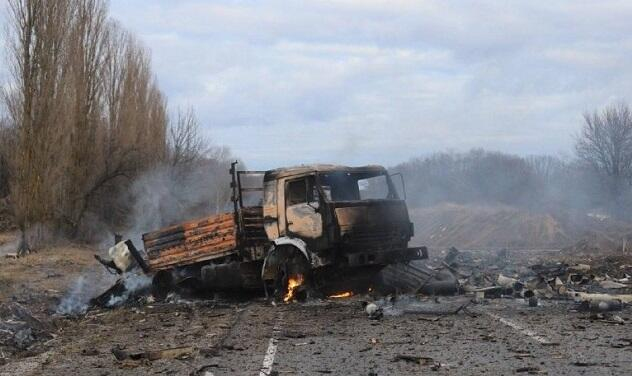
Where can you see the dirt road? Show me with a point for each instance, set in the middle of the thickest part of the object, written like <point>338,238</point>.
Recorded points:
<point>504,338</point>
<point>336,337</point>
<point>253,337</point>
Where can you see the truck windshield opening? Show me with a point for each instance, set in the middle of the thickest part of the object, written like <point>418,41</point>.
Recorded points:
<point>347,186</point>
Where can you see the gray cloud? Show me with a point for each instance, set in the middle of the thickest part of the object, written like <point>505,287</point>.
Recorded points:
<point>381,81</point>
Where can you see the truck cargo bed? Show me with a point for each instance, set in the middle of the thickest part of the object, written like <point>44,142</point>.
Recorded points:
<point>191,242</point>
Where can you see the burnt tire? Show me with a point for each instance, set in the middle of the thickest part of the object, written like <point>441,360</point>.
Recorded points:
<point>162,284</point>
<point>287,262</point>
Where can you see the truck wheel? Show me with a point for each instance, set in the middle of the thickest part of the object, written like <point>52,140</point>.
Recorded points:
<point>293,279</point>
<point>162,285</point>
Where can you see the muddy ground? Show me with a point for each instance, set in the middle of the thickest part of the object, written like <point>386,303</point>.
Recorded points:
<point>231,337</point>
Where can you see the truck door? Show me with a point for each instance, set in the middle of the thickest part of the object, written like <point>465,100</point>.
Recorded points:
<point>302,211</point>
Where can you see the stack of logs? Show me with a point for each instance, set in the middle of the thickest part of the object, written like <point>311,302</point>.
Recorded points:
<point>191,242</point>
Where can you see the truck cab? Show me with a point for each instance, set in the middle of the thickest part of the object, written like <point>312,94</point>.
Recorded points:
<point>334,215</point>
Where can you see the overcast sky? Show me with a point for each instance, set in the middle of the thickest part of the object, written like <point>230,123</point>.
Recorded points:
<point>382,81</point>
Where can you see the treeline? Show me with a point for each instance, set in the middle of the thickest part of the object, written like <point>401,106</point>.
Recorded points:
<point>597,178</point>
<point>486,177</point>
<point>83,118</point>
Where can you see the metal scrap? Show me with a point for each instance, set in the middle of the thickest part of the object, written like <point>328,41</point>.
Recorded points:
<point>422,360</point>
<point>171,353</point>
<point>582,296</point>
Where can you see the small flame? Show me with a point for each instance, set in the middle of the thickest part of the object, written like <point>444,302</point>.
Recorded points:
<point>292,283</point>
<point>345,294</point>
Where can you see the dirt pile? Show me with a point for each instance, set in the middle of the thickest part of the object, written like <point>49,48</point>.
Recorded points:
<point>499,227</point>
<point>485,227</point>
<point>602,236</point>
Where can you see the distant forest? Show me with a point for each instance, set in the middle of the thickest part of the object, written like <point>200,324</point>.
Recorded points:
<point>597,178</point>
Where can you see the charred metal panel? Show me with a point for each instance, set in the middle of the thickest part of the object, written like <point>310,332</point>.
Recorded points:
<point>378,225</point>
<point>385,258</point>
<point>371,214</point>
<point>304,221</point>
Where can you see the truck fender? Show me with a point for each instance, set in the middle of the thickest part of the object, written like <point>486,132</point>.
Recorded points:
<point>294,242</point>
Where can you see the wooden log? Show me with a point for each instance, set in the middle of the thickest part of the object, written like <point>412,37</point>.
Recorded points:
<point>189,225</point>
<point>190,256</point>
<point>188,234</point>
<point>208,240</point>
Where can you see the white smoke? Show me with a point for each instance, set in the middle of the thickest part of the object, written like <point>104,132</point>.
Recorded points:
<point>134,283</point>
<point>77,299</point>
<point>86,287</point>
<point>167,195</point>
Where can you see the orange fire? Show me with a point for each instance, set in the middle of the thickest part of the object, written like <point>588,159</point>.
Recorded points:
<point>345,294</point>
<point>292,283</point>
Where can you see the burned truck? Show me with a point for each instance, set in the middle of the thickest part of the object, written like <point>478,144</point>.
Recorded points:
<point>309,226</point>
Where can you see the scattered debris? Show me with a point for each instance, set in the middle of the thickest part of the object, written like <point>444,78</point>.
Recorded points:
<point>530,370</point>
<point>607,318</point>
<point>494,276</point>
<point>417,277</point>
<point>407,304</point>
<point>600,305</point>
<point>172,353</point>
<point>532,299</point>
<point>509,283</point>
<point>588,364</point>
<point>581,296</point>
<point>423,360</point>
<point>609,284</point>
<point>89,351</point>
<point>19,329</point>
<point>622,343</point>
<point>373,310</point>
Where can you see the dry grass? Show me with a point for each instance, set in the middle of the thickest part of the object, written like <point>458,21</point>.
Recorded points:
<point>41,279</point>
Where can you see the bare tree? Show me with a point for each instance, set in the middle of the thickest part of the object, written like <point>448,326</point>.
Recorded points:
<point>186,144</point>
<point>545,167</point>
<point>88,35</point>
<point>605,142</point>
<point>84,109</point>
<point>37,57</point>
<point>132,126</point>
<point>5,152</point>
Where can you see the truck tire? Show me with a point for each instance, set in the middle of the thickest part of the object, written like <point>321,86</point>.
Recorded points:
<point>162,284</point>
<point>282,263</point>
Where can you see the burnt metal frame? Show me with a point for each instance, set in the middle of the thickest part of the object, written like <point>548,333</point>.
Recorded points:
<point>237,196</point>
